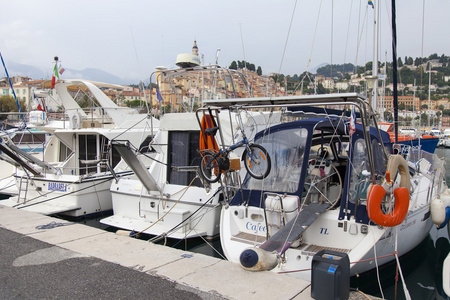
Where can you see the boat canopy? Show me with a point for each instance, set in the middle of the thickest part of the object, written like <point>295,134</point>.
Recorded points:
<point>293,145</point>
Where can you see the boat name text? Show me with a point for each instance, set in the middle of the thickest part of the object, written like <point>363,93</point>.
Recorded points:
<point>255,228</point>
<point>404,226</point>
<point>324,231</point>
<point>57,186</point>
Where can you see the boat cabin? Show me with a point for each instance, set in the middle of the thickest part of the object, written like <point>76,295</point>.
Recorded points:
<point>318,161</point>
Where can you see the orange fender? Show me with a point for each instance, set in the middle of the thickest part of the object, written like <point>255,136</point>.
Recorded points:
<point>207,142</point>
<point>396,217</point>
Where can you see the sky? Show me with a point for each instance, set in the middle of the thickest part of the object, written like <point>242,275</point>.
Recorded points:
<point>130,38</point>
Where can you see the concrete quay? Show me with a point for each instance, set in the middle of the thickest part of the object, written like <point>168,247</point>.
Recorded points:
<point>77,261</point>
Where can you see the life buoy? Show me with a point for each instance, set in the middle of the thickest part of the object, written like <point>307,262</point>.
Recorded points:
<point>210,142</point>
<point>394,218</point>
<point>397,164</point>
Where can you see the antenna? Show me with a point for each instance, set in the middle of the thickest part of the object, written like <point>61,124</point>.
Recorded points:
<point>217,56</point>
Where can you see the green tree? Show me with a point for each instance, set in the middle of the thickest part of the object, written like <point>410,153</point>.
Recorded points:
<point>321,89</point>
<point>423,119</point>
<point>259,71</point>
<point>134,103</point>
<point>417,61</point>
<point>8,104</point>
<point>233,65</point>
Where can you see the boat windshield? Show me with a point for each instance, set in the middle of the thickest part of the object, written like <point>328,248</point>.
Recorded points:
<point>360,177</point>
<point>286,149</point>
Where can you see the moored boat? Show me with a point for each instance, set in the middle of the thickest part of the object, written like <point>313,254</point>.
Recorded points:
<point>75,175</point>
<point>329,189</point>
<point>166,196</point>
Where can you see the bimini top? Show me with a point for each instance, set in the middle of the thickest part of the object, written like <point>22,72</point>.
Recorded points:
<point>304,100</point>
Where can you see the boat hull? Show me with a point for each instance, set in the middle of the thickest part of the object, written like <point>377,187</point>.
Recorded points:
<point>188,212</point>
<point>72,198</point>
<point>327,232</point>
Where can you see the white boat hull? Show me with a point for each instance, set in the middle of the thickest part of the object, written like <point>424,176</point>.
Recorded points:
<point>137,210</point>
<point>73,198</point>
<point>327,232</point>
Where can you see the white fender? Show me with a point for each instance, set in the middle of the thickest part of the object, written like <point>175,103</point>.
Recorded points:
<point>446,275</point>
<point>397,164</point>
<point>437,208</point>
<point>256,259</point>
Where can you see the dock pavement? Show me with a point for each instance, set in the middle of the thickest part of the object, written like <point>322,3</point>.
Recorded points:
<point>74,261</point>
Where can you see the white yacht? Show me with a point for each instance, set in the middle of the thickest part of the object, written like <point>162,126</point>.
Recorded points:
<point>75,175</point>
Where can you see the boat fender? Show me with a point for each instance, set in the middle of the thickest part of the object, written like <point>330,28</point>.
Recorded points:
<point>440,213</point>
<point>446,275</point>
<point>256,259</point>
<point>397,164</point>
<point>440,209</point>
<point>396,217</point>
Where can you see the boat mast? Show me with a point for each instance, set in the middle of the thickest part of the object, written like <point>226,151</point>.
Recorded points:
<point>375,57</point>
<point>394,71</point>
<point>429,98</point>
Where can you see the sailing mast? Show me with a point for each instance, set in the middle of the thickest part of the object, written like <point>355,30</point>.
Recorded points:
<point>375,57</point>
<point>394,67</point>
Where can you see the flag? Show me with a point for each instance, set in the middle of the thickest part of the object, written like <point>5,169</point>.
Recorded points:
<point>55,75</point>
<point>371,3</point>
<point>38,103</point>
<point>40,107</point>
<point>352,126</point>
<point>158,95</point>
<point>61,70</point>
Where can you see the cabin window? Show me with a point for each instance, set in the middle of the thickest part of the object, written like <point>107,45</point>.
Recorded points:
<point>145,145</point>
<point>31,138</point>
<point>183,152</point>
<point>64,151</point>
<point>90,154</point>
<point>379,159</point>
<point>286,149</point>
<point>87,153</point>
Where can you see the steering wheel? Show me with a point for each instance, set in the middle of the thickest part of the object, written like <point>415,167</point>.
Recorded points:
<point>323,182</point>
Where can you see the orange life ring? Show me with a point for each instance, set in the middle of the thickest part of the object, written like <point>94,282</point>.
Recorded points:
<point>210,142</point>
<point>396,217</point>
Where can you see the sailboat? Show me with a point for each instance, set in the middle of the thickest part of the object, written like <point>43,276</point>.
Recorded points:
<point>79,165</point>
<point>335,185</point>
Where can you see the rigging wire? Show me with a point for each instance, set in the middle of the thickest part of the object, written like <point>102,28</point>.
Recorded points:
<point>423,34</point>
<point>243,49</point>
<point>310,54</point>
<point>357,36</point>
<point>140,73</point>
<point>314,38</point>
<point>348,33</point>
<point>331,52</point>
<point>287,37</point>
